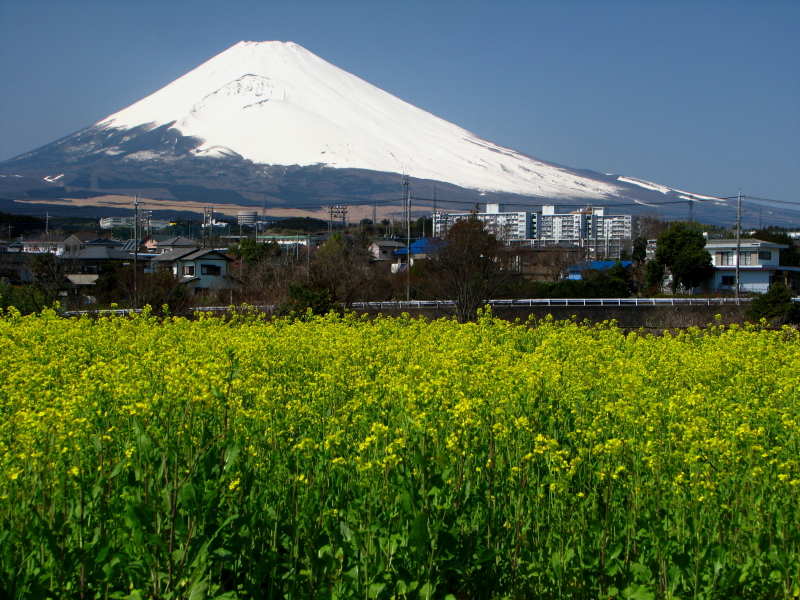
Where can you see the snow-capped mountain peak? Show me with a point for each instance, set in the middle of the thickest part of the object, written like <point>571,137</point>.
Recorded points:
<point>277,103</point>
<point>271,121</point>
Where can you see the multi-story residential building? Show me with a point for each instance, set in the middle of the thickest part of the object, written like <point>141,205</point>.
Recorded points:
<point>505,226</point>
<point>589,228</point>
<point>609,235</point>
<point>145,223</point>
<point>555,228</point>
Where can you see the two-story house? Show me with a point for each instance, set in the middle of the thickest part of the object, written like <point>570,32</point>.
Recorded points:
<point>204,269</point>
<point>759,266</point>
<point>385,249</point>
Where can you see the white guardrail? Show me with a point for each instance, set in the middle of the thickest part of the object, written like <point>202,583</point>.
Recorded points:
<point>529,302</point>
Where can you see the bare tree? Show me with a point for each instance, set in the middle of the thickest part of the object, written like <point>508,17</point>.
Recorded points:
<point>649,227</point>
<point>469,267</point>
<point>340,267</point>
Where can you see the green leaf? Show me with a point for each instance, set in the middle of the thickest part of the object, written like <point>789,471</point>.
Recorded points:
<point>117,468</point>
<point>406,503</point>
<point>638,592</point>
<point>224,554</point>
<point>419,530</point>
<point>187,496</point>
<point>231,454</point>
<point>346,534</point>
<point>198,590</point>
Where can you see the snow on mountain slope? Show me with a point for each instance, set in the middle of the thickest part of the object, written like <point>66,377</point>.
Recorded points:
<point>664,190</point>
<point>277,103</point>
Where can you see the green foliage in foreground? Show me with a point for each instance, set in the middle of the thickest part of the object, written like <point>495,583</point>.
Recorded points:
<point>776,305</point>
<point>395,458</point>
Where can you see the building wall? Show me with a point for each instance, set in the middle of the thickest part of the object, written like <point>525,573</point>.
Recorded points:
<point>614,232</point>
<point>505,226</point>
<point>749,258</point>
<point>752,280</point>
<point>207,280</point>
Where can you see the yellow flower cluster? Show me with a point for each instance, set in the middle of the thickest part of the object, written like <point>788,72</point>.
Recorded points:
<point>548,426</point>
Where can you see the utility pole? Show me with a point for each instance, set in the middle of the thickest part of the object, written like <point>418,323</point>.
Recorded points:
<point>136,251</point>
<point>433,213</point>
<point>738,241</point>
<point>407,204</point>
<point>208,223</point>
<point>47,224</point>
<point>336,212</point>
<point>375,215</point>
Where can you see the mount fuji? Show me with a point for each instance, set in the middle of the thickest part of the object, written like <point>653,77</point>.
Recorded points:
<point>271,121</point>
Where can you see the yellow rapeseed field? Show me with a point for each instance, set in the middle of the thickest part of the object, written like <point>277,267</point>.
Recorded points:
<point>331,457</point>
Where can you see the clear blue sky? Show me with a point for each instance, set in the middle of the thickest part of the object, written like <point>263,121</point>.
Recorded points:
<point>700,96</point>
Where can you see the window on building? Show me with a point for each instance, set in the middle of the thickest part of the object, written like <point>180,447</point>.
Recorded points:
<point>728,280</point>
<point>210,269</point>
<point>188,270</point>
<point>744,258</point>
<point>726,258</point>
<point>765,255</point>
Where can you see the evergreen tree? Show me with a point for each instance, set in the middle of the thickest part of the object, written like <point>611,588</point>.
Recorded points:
<point>681,248</point>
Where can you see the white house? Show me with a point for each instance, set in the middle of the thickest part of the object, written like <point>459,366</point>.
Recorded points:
<point>385,249</point>
<point>759,266</point>
<point>59,245</point>
<point>198,269</point>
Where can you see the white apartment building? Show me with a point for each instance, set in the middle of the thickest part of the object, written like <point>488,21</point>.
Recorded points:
<point>603,235</point>
<point>505,226</point>
<point>609,235</point>
<point>148,224</point>
<point>555,228</point>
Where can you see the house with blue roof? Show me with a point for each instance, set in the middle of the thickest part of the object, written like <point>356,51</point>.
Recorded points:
<point>421,249</point>
<point>574,272</point>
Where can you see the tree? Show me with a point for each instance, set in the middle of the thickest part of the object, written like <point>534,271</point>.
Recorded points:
<point>692,267</point>
<point>682,249</point>
<point>639,253</point>
<point>302,297</point>
<point>468,267</point>
<point>775,305</point>
<point>116,285</point>
<point>653,277</point>
<point>649,227</point>
<point>558,260</point>
<point>790,257</point>
<point>340,267</point>
<point>251,252</point>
